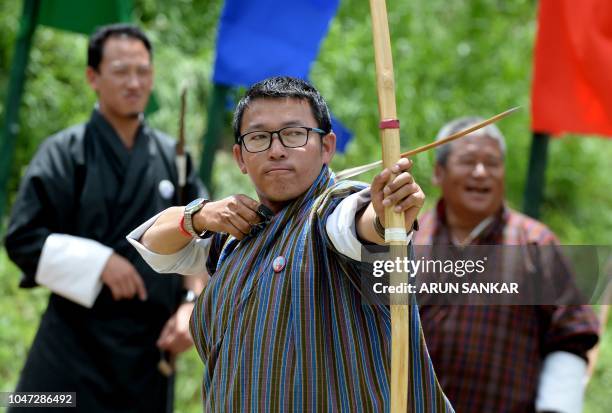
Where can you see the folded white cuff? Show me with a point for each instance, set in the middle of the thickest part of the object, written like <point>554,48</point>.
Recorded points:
<point>190,260</point>
<point>562,382</point>
<point>71,266</point>
<point>341,228</point>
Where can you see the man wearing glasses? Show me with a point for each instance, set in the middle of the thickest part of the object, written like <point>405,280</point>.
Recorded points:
<point>281,326</point>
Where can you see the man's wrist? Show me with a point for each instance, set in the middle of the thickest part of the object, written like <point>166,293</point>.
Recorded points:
<point>199,221</point>
<point>194,217</point>
<point>380,229</point>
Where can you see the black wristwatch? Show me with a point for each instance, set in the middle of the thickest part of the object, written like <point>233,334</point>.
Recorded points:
<point>190,210</point>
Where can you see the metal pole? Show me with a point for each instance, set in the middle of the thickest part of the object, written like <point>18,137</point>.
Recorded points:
<point>212,137</point>
<point>536,175</point>
<point>10,126</point>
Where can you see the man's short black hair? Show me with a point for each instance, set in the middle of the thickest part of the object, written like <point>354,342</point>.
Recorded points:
<point>284,87</point>
<point>102,34</point>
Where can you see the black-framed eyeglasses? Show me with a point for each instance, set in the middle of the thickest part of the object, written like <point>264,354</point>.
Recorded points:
<point>290,137</point>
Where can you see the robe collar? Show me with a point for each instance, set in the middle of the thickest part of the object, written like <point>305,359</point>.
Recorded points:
<point>112,142</point>
<point>489,231</point>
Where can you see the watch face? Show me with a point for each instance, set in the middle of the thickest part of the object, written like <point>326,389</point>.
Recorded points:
<point>193,204</point>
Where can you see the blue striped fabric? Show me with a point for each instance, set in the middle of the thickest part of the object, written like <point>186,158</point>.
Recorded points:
<point>299,339</point>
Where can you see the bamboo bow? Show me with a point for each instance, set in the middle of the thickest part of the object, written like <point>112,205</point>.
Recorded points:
<point>181,158</point>
<point>395,232</point>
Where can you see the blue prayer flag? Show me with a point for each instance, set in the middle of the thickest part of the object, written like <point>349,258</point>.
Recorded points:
<point>264,38</point>
<point>343,134</point>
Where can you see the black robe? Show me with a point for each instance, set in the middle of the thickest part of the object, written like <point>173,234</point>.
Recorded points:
<point>84,182</point>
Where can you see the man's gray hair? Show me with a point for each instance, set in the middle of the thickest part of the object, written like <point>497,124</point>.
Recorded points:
<point>458,124</point>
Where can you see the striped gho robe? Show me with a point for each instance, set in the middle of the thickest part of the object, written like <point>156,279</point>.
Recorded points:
<point>299,338</point>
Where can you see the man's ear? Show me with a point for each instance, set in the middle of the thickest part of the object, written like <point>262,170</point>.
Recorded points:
<point>438,175</point>
<point>92,78</point>
<point>328,147</point>
<point>237,153</point>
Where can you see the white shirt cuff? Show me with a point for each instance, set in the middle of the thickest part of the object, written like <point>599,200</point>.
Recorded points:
<point>71,266</point>
<point>191,260</point>
<point>562,382</point>
<point>340,225</point>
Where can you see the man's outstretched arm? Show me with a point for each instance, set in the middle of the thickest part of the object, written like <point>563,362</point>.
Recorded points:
<point>234,215</point>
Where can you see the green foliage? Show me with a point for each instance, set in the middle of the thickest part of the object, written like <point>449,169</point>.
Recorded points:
<point>19,316</point>
<point>454,59</point>
<point>598,389</point>
<point>451,59</point>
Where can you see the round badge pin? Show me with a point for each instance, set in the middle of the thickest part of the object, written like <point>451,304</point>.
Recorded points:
<point>279,263</point>
<point>166,189</point>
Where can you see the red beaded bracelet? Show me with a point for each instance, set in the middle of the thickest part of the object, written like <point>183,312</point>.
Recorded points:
<point>182,227</point>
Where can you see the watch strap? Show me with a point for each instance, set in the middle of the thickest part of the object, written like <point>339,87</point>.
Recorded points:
<point>190,210</point>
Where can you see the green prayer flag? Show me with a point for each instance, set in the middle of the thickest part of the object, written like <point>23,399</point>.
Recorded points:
<point>84,16</point>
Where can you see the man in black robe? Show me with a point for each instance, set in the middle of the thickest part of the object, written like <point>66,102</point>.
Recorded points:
<point>110,317</point>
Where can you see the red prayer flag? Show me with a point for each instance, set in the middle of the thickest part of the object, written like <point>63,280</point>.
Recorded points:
<point>572,82</point>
